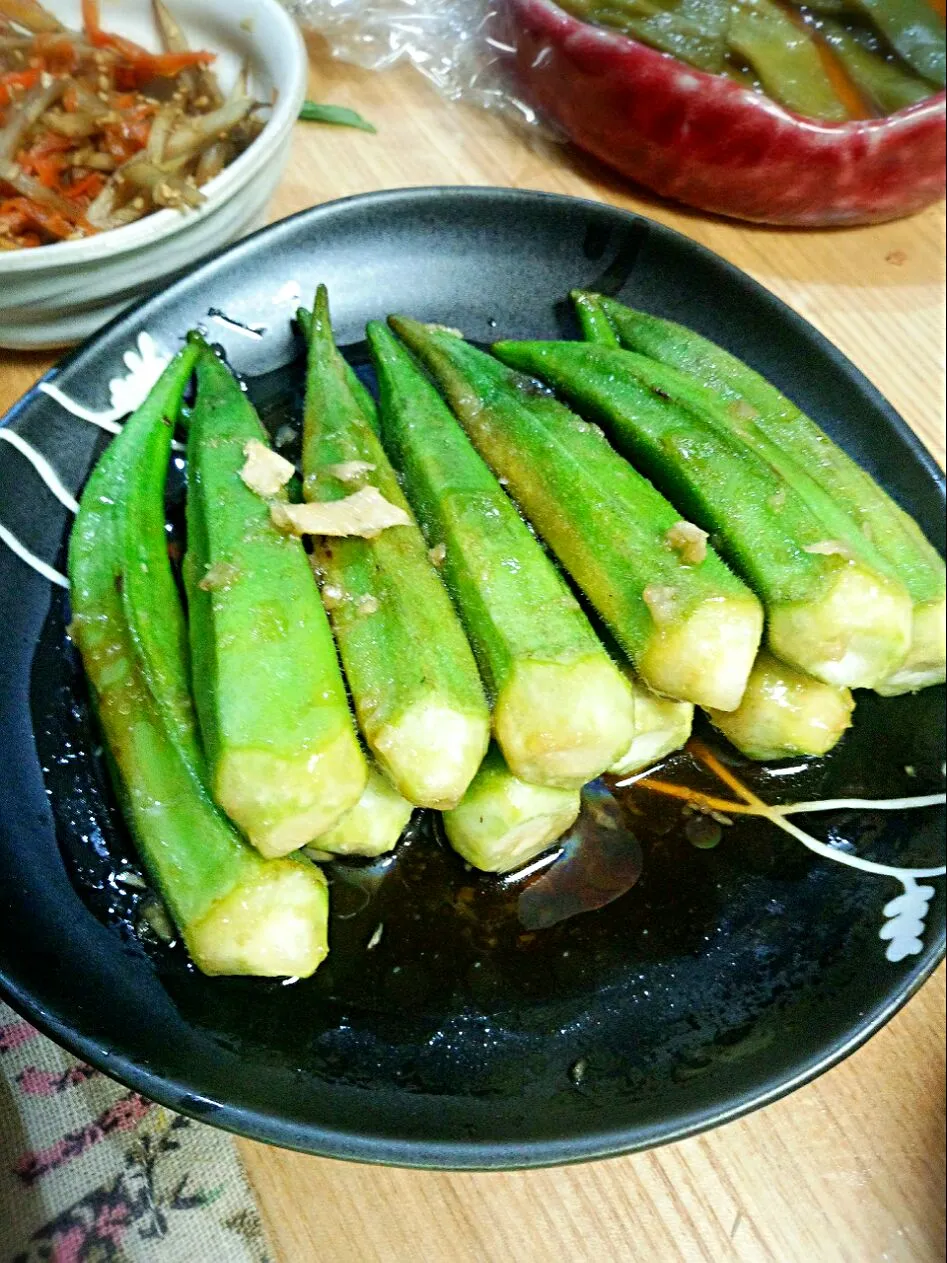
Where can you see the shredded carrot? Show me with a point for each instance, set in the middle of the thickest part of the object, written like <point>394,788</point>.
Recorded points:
<point>48,143</point>
<point>48,170</point>
<point>91,19</point>
<point>130,134</point>
<point>51,222</point>
<point>170,64</point>
<point>87,187</point>
<point>57,54</point>
<point>20,78</point>
<point>145,63</point>
<point>17,80</point>
<point>24,213</point>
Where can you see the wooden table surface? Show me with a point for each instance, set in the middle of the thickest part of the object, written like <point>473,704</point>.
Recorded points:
<point>852,1166</point>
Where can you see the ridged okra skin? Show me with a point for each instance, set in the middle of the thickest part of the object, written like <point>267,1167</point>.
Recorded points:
<point>828,612</point>
<point>503,822</point>
<point>785,714</point>
<point>691,630</point>
<point>758,407</point>
<point>562,711</point>
<point>284,759</point>
<point>237,913</point>
<point>360,392</point>
<point>409,666</point>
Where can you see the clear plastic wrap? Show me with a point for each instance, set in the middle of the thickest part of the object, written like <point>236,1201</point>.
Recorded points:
<point>462,46</point>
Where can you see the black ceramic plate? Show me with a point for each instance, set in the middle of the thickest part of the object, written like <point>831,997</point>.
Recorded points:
<point>723,979</point>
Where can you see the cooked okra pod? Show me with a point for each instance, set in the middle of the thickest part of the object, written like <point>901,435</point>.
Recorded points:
<point>237,913</point>
<point>285,762</point>
<point>562,711</point>
<point>410,669</point>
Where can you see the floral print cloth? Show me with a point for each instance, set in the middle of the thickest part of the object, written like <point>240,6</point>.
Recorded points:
<point>91,1172</point>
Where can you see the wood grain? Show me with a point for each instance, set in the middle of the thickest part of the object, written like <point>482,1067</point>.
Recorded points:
<point>849,1169</point>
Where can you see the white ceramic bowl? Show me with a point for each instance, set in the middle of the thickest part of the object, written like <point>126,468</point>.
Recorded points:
<point>59,294</point>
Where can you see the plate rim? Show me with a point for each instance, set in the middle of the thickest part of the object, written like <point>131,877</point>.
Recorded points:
<point>485,1155</point>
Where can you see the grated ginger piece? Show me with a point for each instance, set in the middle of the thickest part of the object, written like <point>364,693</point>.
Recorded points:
<point>830,548</point>
<point>689,542</point>
<point>266,472</point>
<point>662,602</point>
<point>366,513</point>
<point>219,576</point>
<point>350,470</point>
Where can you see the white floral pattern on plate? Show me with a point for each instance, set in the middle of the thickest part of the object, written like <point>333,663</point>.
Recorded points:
<point>145,364</point>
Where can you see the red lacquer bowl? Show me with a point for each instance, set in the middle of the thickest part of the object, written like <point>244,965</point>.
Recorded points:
<point>702,139</point>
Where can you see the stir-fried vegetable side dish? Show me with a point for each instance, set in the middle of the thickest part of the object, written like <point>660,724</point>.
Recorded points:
<point>829,59</point>
<point>233,741</point>
<point>97,132</point>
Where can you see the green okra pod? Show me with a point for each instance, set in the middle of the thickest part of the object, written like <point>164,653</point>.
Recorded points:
<point>828,613</point>
<point>410,669</point>
<point>562,711</point>
<point>758,407</point>
<point>284,759</point>
<point>150,600</point>
<point>363,396</point>
<point>237,913</point>
<point>690,627</point>
<point>503,822</point>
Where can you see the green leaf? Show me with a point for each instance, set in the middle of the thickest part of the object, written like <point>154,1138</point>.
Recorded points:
<point>339,115</point>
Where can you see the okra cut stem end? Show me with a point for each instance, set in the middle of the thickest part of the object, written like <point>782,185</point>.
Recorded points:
<point>374,825</point>
<point>855,635</point>
<point>504,822</point>
<point>661,727</point>
<point>703,655</point>
<point>785,713</point>
<point>431,751</point>
<point>271,796</point>
<point>272,925</point>
<point>927,657</point>
<point>587,720</point>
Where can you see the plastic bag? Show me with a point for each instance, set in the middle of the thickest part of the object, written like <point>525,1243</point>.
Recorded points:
<point>462,46</point>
